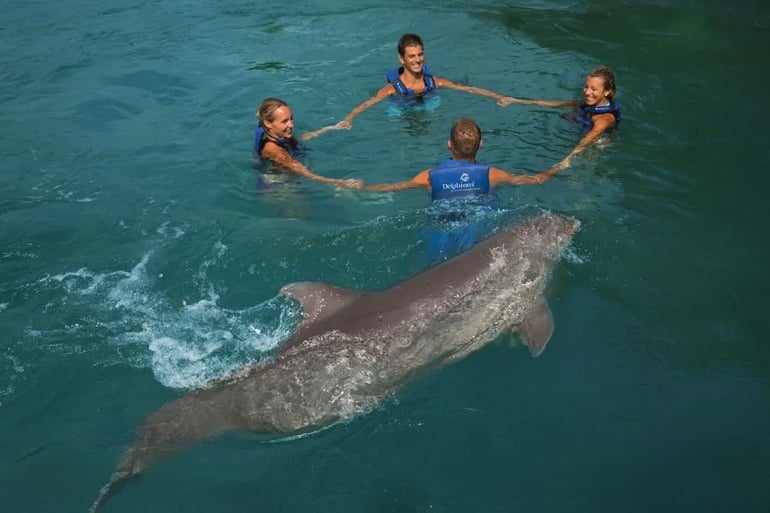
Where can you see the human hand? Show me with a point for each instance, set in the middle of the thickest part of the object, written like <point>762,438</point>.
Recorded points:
<point>343,125</point>
<point>506,100</point>
<point>350,183</point>
<point>313,134</point>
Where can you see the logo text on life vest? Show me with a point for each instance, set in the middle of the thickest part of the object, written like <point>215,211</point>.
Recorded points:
<point>458,186</point>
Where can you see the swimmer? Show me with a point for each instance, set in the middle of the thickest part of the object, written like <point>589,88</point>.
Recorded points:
<point>595,113</point>
<point>413,79</point>
<point>464,183</point>
<point>274,141</point>
<point>461,176</point>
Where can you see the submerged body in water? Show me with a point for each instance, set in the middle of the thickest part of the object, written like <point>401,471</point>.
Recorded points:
<point>455,225</point>
<point>405,105</point>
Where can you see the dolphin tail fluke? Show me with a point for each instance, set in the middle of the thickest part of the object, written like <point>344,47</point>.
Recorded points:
<point>103,496</point>
<point>119,478</point>
<point>537,327</point>
<point>168,430</point>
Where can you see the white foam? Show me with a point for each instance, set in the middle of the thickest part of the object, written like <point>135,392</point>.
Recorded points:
<point>570,256</point>
<point>11,370</point>
<point>185,344</point>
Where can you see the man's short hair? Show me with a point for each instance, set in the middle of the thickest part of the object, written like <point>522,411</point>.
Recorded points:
<point>466,138</point>
<point>408,40</point>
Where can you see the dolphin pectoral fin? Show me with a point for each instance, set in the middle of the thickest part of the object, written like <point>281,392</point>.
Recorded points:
<point>319,300</point>
<point>537,327</point>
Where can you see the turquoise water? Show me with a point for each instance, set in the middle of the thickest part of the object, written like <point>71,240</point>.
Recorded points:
<point>139,261</point>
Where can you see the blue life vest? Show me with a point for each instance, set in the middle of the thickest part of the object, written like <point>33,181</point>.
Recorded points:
<point>459,178</point>
<point>583,114</point>
<point>394,75</point>
<point>261,138</point>
<point>261,165</point>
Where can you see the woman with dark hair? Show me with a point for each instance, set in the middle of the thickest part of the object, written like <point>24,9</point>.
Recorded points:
<point>595,113</point>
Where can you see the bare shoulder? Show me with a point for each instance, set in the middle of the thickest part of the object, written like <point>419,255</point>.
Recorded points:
<point>386,90</point>
<point>498,176</point>
<point>276,153</point>
<point>603,121</point>
<point>443,82</point>
<point>422,179</point>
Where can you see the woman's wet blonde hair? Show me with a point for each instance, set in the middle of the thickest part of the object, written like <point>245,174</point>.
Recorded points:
<point>266,109</point>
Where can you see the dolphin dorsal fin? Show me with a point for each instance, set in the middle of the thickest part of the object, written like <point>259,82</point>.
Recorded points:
<point>319,300</point>
<point>537,327</point>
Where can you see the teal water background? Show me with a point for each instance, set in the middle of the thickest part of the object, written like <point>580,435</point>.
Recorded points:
<point>138,260</point>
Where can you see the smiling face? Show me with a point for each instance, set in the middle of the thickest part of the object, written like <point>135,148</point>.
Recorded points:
<point>595,93</point>
<point>281,123</point>
<point>413,58</point>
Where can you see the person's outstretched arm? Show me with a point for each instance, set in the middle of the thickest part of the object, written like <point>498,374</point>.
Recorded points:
<point>420,180</point>
<point>315,133</point>
<point>282,159</point>
<point>498,176</point>
<point>347,121</point>
<point>601,123</point>
<point>548,103</point>
<point>501,98</point>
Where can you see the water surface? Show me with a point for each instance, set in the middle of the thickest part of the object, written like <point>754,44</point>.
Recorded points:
<point>138,260</point>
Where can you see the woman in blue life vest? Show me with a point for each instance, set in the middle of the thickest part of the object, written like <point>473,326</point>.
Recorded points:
<point>460,180</point>
<point>413,79</point>
<point>595,113</point>
<point>275,144</point>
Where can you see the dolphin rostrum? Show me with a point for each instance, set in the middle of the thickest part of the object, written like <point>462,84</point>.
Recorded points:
<point>354,349</point>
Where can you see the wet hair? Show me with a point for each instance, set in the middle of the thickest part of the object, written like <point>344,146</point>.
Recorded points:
<point>465,137</point>
<point>608,76</point>
<point>408,40</point>
<point>266,109</point>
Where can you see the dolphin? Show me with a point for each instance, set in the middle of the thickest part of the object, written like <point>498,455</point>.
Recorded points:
<point>354,349</point>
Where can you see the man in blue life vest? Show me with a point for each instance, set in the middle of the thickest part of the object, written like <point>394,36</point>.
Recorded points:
<point>413,79</point>
<point>460,180</point>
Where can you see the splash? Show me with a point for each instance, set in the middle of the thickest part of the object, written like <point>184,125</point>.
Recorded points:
<point>124,317</point>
